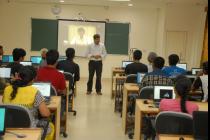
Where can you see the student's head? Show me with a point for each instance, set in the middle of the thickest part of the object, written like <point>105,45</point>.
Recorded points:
<point>206,68</point>
<point>26,75</point>
<point>1,50</point>
<point>18,54</point>
<point>158,63</point>
<point>70,53</point>
<point>173,59</point>
<point>52,57</point>
<point>97,39</point>
<point>182,89</point>
<point>137,55</point>
<point>151,57</point>
<point>81,32</point>
<point>43,53</point>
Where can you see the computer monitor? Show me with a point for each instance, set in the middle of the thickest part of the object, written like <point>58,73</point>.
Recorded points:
<point>5,72</point>
<point>7,59</point>
<point>182,65</point>
<point>2,120</point>
<point>195,71</point>
<point>164,92</point>
<point>140,76</point>
<point>26,63</point>
<point>36,59</point>
<point>125,63</point>
<point>44,88</point>
<point>191,77</point>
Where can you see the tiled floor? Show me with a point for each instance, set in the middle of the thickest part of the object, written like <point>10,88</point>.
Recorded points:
<point>95,118</point>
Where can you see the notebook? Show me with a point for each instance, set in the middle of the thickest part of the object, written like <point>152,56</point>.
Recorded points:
<point>36,59</point>
<point>125,63</point>
<point>5,73</point>
<point>182,65</point>
<point>140,76</point>
<point>2,120</point>
<point>163,92</point>
<point>7,59</point>
<point>44,89</point>
<point>26,63</point>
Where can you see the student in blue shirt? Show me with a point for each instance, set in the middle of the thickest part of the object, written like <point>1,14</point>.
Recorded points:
<point>174,71</point>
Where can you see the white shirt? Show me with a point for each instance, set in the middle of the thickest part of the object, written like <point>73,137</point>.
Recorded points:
<point>205,84</point>
<point>96,50</point>
<point>81,41</point>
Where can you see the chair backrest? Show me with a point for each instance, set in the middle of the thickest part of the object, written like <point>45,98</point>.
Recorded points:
<point>18,117</point>
<point>200,124</point>
<point>70,78</point>
<point>132,78</point>
<point>53,91</point>
<point>174,123</point>
<point>147,93</point>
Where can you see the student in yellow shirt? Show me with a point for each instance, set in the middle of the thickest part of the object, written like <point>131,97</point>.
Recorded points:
<point>21,92</point>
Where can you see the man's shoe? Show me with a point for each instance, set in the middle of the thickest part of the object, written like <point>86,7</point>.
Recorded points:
<point>88,93</point>
<point>99,93</point>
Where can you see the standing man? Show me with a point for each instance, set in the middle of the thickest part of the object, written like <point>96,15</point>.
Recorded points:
<point>96,53</point>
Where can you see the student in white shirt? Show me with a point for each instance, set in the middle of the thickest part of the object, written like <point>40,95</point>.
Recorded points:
<point>202,81</point>
<point>96,53</point>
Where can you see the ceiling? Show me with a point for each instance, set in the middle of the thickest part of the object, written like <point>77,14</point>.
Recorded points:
<point>115,3</point>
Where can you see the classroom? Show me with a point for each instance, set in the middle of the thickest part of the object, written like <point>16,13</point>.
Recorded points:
<point>103,69</point>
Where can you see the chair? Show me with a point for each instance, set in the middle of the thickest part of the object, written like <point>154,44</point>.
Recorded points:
<point>53,91</point>
<point>20,117</point>
<point>200,124</point>
<point>147,93</point>
<point>132,78</point>
<point>70,78</point>
<point>174,123</point>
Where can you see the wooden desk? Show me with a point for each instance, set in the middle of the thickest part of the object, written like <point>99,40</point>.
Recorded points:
<point>128,89</point>
<point>31,134</point>
<point>142,109</point>
<point>55,106</point>
<point>115,71</point>
<point>174,137</point>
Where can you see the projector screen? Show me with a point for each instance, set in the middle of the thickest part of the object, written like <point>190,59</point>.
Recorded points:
<point>78,35</point>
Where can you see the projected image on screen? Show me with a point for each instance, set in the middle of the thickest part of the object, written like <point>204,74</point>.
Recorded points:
<point>81,35</point>
<point>78,35</point>
<point>166,94</point>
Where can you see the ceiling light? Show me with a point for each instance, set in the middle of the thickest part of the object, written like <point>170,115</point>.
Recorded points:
<point>120,0</point>
<point>62,1</point>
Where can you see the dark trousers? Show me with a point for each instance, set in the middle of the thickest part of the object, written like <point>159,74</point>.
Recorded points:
<point>95,67</point>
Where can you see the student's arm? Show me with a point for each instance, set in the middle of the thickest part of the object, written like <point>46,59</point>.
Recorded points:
<point>197,84</point>
<point>44,111</point>
<point>62,86</point>
<point>77,73</point>
<point>40,104</point>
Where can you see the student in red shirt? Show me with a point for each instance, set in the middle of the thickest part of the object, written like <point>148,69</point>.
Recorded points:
<point>50,74</point>
<point>182,89</point>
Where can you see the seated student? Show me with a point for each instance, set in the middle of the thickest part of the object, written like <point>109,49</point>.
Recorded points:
<point>202,81</point>
<point>69,65</point>
<point>18,56</point>
<point>1,54</point>
<point>43,55</point>
<point>182,88</point>
<point>174,71</point>
<point>21,92</point>
<point>157,77</point>
<point>136,67</point>
<point>151,58</point>
<point>49,73</point>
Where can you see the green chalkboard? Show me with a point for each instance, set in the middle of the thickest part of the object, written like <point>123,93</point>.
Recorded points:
<point>44,34</point>
<point>117,38</point>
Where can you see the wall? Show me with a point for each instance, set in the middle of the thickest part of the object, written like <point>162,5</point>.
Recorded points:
<point>148,25</point>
